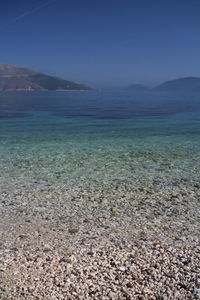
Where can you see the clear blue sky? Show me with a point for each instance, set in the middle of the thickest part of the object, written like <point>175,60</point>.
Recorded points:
<point>103,42</point>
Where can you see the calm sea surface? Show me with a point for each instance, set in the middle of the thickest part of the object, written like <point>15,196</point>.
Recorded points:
<point>99,136</point>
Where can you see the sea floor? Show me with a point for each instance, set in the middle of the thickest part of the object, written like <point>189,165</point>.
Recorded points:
<point>92,210</point>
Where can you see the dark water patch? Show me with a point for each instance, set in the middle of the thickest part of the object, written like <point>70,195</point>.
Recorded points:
<point>10,115</point>
<point>102,105</point>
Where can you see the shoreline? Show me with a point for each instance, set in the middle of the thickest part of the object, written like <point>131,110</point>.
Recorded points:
<point>29,90</point>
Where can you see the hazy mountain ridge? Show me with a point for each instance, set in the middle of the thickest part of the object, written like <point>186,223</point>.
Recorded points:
<point>190,84</point>
<point>15,78</point>
<point>180,85</point>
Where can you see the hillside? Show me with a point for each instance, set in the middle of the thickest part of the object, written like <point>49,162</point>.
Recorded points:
<point>186,84</point>
<point>13,78</point>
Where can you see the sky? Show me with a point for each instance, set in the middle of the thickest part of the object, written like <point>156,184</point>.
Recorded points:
<point>103,43</point>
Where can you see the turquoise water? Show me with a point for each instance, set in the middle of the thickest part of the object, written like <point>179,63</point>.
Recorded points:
<point>96,136</point>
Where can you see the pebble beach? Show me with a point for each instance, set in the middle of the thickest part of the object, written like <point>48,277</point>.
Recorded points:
<point>110,242</point>
<point>99,209</point>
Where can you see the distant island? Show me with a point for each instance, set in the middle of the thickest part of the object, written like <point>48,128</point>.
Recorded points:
<point>185,84</point>
<point>180,85</point>
<point>13,78</point>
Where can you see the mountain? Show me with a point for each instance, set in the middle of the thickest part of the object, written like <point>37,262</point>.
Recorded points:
<point>186,84</point>
<point>15,78</point>
<point>138,88</point>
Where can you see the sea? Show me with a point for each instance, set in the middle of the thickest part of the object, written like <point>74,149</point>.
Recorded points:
<point>99,137</point>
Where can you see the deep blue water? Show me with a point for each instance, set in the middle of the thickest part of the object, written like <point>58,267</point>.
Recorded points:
<point>96,104</point>
<point>99,135</point>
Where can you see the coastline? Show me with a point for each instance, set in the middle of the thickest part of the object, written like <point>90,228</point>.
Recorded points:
<point>43,90</point>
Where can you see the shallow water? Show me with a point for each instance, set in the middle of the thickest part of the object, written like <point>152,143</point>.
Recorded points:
<point>89,179</point>
<point>98,137</point>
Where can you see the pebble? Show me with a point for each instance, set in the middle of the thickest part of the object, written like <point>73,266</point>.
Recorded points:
<point>73,230</point>
<point>133,244</point>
